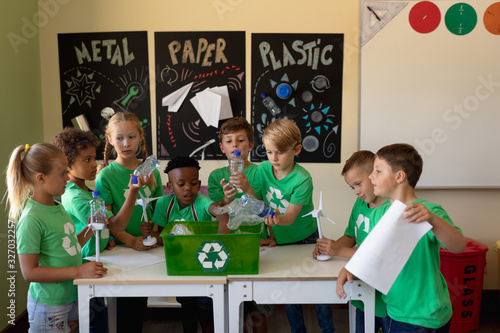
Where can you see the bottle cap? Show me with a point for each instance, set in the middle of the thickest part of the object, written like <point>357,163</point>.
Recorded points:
<point>96,193</point>
<point>263,95</point>
<point>134,179</point>
<point>284,90</point>
<point>237,153</point>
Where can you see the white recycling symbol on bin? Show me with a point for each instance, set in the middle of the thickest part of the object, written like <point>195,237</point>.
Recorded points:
<point>212,256</point>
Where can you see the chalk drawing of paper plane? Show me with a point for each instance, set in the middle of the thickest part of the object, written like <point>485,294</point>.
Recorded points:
<point>212,104</point>
<point>174,100</point>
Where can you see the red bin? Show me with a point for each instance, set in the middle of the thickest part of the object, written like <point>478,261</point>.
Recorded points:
<point>464,275</point>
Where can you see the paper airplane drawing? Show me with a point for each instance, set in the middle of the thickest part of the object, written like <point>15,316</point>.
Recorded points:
<point>174,100</point>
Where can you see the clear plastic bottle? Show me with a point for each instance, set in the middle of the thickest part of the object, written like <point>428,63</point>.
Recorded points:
<point>270,104</point>
<point>256,206</point>
<point>150,164</point>
<point>236,164</point>
<point>98,211</point>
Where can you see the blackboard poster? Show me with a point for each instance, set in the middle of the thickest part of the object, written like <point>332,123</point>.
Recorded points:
<point>302,74</point>
<point>104,73</point>
<point>200,83</point>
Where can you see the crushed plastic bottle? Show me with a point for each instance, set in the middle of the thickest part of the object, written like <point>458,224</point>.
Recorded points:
<point>258,207</point>
<point>236,164</point>
<point>145,169</point>
<point>270,104</point>
<point>97,211</point>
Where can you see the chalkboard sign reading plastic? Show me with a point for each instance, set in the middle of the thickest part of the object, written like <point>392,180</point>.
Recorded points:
<point>302,74</point>
<point>104,73</point>
<point>200,83</point>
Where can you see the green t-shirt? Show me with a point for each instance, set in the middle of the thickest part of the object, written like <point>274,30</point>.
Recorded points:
<point>419,295</point>
<point>215,191</point>
<point>358,228</point>
<point>198,208</point>
<point>112,183</point>
<point>49,232</point>
<point>76,202</point>
<point>295,188</point>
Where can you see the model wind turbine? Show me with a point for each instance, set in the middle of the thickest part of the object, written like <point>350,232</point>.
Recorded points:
<point>317,213</point>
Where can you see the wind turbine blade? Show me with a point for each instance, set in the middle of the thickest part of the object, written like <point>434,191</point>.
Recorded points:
<point>310,213</point>
<point>329,219</point>
<point>320,200</point>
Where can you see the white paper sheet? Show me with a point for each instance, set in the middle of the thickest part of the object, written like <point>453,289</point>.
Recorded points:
<point>175,99</point>
<point>212,104</point>
<point>122,258</point>
<point>387,248</point>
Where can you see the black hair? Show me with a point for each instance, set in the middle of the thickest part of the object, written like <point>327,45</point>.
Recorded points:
<point>181,162</point>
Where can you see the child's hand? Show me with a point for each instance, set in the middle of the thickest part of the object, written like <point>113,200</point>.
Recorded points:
<point>111,245</point>
<point>146,229</point>
<point>91,270</point>
<point>273,220</point>
<point>229,191</point>
<point>344,275</point>
<point>326,246</point>
<point>240,180</point>
<point>417,212</point>
<point>140,181</point>
<point>139,245</point>
<point>268,242</point>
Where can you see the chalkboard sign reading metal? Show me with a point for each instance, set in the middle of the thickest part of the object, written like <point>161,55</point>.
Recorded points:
<point>200,83</point>
<point>302,75</point>
<point>104,73</point>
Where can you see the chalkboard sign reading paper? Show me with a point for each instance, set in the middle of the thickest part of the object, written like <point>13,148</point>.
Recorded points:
<point>104,73</point>
<point>302,75</point>
<point>200,83</point>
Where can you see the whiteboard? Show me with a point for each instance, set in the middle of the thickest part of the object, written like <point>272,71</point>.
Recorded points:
<point>437,91</point>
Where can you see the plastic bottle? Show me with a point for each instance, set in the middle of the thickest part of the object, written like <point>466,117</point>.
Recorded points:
<point>236,164</point>
<point>97,211</point>
<point>150,164</point>
<point>270,104</point>
<point>258,207</point>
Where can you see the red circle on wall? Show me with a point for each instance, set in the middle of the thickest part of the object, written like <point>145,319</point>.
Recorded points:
<point>492,18</point>
<point>425,17</point>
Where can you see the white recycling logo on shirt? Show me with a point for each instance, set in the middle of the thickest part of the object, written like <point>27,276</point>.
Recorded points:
<point>276,193</point>
<point>69,228</point>
<point>212,256</point>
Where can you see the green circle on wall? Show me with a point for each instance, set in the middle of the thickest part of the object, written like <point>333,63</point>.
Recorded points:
<point>460,19</point>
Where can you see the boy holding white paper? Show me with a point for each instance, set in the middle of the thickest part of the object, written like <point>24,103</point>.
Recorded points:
<point>418,301</point>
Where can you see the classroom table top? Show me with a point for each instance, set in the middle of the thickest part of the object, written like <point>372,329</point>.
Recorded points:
<point>151,274</point>
<point>293,262</point>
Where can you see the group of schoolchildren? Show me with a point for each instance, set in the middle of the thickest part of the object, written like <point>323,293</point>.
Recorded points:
<point>53,237</point>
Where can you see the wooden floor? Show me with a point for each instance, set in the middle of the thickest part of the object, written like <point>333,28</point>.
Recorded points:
<point>167,320</point>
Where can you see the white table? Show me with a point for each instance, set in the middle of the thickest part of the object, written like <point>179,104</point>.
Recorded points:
<point>290,275</point>
<point>148,281</point>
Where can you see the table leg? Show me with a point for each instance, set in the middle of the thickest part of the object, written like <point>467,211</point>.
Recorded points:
<point>217,292</point>
<point>111,314</point>
<point>352,318</point>
<point>239,291</point>
<point>362,291</point>
<point>85,293</point>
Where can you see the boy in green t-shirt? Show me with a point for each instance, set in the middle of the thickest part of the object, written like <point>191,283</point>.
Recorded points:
<point>418,301</point>
<point>186,204</point>
<point>235,134</point>
<point>356,172</point>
